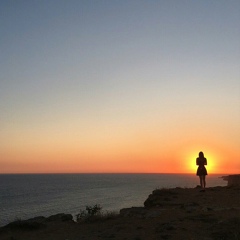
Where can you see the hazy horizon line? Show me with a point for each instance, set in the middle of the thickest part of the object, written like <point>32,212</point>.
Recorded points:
<point>85,173</point>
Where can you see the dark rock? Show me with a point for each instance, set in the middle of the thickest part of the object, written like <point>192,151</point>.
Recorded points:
<point>141,212</point>
<point>37,222</point>
<point>60,217</point>
<point>159,197</point>
<point>165,192</point>
<point>37,219</point>
<point>228,229</point>
<point>204,218</point>
<point>30,224</point>
<point>165,227</point>
<point>233,180</point>
<point>137,238</point>
<point>189,207</point>
<point>153,213</point>
<point>165,236</point>
<point>133,212</point>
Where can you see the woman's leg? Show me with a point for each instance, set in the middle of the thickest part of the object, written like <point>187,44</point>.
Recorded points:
<point>201,181</point>
<point>204,180</point>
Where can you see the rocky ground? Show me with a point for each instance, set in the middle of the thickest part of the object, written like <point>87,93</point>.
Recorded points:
<point>178,213</point>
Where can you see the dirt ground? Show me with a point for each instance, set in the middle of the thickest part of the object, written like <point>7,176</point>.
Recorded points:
<point>179,214</point>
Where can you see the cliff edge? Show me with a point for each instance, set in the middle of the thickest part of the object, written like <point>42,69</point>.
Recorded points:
<point>176,213</point>
<point>233,180</point>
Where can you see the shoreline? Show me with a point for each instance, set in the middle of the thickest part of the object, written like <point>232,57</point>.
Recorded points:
<point>113,192</point>
<point>168,213</point>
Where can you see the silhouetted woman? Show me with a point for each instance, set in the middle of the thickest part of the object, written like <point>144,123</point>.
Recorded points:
<point>202,171</point>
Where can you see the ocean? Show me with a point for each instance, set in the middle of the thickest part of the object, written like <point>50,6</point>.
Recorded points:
<point>24,196</point>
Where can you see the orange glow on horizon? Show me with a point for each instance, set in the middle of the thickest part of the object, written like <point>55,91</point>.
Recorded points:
<point>211,162</point>
<point>146,155</point>
<point>217,162</point>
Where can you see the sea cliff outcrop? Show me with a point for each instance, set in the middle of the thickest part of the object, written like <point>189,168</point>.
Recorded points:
<point>162,197</point>
<point>233,180</point>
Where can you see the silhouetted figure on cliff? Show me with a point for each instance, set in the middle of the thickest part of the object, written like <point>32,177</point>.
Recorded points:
<point>202,171</point>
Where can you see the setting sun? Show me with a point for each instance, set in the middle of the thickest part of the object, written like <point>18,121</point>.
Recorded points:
<point>191,161</point>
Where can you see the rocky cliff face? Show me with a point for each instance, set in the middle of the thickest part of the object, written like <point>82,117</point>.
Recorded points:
<point>177,213</point>
<point>233,180</point>
<point>162,197</point>
<point>192,198</point>
<point>38,222</point>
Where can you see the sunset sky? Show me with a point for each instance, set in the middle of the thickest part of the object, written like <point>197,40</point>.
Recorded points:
<point>119,86</point>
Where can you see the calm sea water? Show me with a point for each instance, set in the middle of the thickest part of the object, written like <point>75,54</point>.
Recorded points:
<point>31,195</point>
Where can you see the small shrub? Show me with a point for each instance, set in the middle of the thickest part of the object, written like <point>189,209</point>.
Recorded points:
<point>92,211</point>
<point>95,213</point>
<point>89,213</point>
<point>81,216</point>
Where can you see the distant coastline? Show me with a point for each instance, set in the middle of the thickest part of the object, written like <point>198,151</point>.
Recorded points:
<point>233,180</point>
